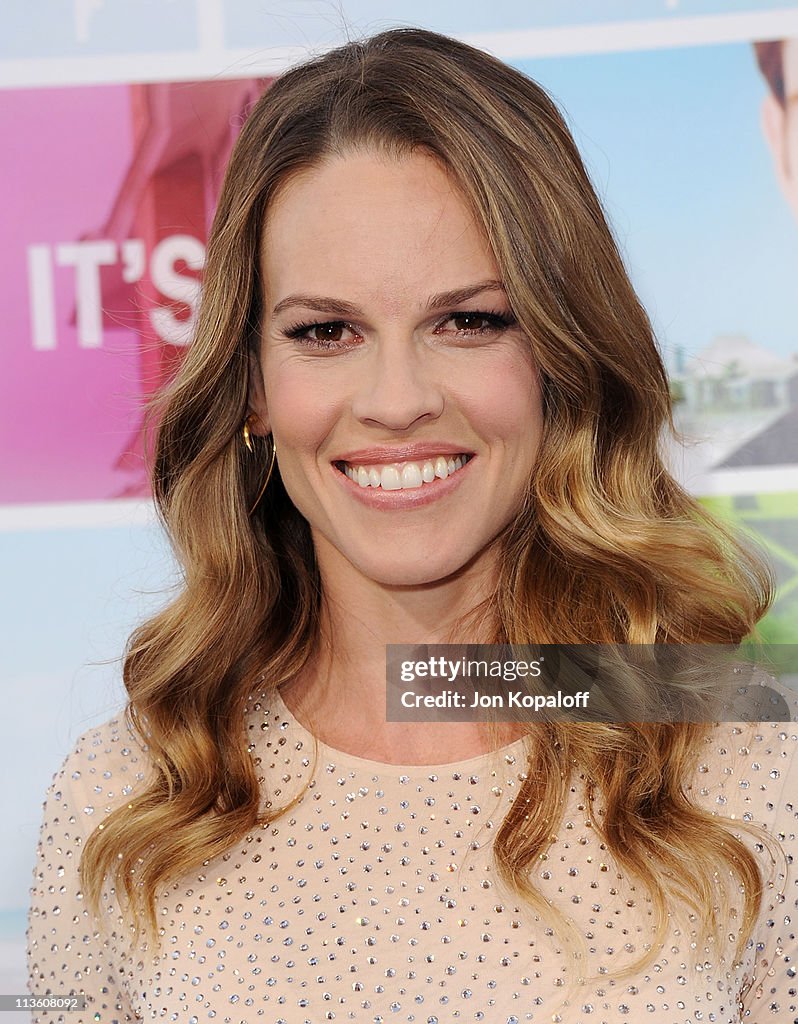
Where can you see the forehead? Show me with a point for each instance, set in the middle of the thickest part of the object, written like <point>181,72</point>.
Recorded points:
<point>372,227</point>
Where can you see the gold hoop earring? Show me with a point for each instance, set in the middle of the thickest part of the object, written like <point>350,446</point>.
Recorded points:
<point>247,434</point>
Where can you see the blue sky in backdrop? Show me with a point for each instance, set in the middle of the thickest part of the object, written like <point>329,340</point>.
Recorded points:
<point>673,144</point>
<point>76,595</point>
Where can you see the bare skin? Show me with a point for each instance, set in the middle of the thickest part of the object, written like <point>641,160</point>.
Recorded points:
<point>780,127</point>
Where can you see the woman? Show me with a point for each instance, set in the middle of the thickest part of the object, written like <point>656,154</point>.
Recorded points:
<point>423,406</point>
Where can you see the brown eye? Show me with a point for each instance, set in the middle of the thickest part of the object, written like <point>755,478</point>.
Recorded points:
<point>326,336</point>
<point>329,332</point>
<point>468,321</point>
<point>476,323</point>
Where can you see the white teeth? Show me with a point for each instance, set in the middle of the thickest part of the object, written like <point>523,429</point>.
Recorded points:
<point>405,475</point>
<point>411,475</point>
<point>390,479</point>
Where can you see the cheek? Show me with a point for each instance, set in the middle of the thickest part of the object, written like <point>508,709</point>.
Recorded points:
<point>302,408</point>
<point>507,402</point>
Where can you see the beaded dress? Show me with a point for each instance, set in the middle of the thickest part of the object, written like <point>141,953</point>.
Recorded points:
<point>374,898</point>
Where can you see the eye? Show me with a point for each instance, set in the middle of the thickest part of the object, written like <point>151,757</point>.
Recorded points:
<point>329,335</point>
<point>475,322</point>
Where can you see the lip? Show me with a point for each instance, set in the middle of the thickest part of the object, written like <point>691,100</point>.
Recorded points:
<point>414,497</point>
<point>383,454</point>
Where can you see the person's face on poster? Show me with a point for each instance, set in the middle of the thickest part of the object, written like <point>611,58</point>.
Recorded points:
<point>780,125</point>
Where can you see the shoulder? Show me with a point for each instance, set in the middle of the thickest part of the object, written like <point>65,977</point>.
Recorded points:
<point>749,770</point>
<point>106,765</point>
<point>755,769</point>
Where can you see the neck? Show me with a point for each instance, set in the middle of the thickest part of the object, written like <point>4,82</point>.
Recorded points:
<point>341,694</point>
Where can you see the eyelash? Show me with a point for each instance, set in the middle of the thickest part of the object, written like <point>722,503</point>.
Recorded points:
<point>297,332</point>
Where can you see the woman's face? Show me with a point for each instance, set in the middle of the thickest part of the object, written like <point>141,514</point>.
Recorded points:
<point>389,350</point>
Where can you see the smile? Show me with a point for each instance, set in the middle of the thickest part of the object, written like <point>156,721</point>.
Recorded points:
<point>404,476</point>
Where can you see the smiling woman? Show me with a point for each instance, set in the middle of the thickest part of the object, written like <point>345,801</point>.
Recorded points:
<point>424,405</point>
<point>428,376</point>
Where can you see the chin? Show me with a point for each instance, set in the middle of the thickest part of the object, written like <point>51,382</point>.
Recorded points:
<point>406,572</point>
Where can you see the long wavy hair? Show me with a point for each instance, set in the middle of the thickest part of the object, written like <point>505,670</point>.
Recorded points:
<point>605,548</point>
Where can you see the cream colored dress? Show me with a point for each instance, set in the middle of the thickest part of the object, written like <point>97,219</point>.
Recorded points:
<point>375,900</point>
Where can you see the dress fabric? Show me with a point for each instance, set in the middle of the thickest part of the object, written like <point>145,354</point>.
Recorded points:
<point>374,899</point>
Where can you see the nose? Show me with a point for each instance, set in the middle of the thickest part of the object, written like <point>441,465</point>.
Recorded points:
<point>397,388</point>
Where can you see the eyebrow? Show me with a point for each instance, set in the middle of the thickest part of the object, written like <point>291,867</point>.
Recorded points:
<point>443,300</point>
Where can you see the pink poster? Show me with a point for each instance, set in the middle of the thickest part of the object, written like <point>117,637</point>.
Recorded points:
<point>109,192</point>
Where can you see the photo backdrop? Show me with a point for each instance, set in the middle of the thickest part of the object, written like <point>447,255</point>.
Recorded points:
<point>119,118</point>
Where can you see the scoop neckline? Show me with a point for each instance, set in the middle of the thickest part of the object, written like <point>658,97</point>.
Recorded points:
<point>328,753</point>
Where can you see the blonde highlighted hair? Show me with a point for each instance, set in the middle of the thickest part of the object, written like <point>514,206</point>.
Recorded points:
<point>606,548</point>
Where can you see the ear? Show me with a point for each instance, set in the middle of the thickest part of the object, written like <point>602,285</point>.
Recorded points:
<point>260,424</point>
<point>772,119</point>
